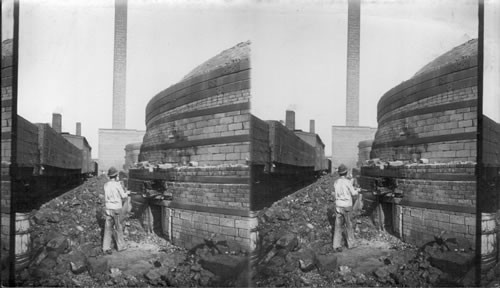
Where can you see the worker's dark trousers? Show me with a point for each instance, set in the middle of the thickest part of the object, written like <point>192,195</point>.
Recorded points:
<point>113,229</point>
<point>343,223</point>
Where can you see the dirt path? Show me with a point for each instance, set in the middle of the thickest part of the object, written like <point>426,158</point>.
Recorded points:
<point>365,258</point>
<point>142,258</point>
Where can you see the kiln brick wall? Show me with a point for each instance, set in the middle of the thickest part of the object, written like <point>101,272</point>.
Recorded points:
<point>420,225</point>
<point>437,197</point>
<point>207,201</point>
<point>190,228</point>
<point>7,111</point>
<point>433,114</point>
<point>205,119</point>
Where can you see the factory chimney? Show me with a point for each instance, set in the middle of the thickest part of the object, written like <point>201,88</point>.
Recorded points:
<point>78,129</point>
<point>312,126</point>
<point>57,122</point>
<point>290,120</point>
<point>353,38</point>
<point>120,64</point>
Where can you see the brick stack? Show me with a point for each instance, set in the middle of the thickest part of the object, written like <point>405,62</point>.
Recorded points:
<point>353,51</point>
<point>204,121</point>
<point>432,116</point>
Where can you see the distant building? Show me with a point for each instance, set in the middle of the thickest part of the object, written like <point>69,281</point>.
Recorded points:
<point>112,142</point>
<point>345,141</point>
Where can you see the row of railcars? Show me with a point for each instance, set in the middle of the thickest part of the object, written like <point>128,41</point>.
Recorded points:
<point>282,161</point>
<point>46,162</point>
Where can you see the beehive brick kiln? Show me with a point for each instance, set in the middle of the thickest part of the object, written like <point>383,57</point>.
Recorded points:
<point>203,120</point>
<point>431,117</point>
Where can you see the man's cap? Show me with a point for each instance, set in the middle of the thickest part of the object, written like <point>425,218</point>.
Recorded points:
<point>342,169</point>
<point>112,172</point>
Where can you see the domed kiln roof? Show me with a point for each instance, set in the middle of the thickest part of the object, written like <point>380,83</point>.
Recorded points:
<point>467,49</point>
<point>239,52</point>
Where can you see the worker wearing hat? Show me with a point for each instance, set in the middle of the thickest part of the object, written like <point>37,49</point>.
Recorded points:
<point>113,195</point>
<point>343,192</point>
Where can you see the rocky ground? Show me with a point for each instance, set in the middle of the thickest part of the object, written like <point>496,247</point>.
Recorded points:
<point>66,251</point>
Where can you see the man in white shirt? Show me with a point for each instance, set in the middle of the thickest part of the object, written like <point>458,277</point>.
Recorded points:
<point>113,195</point>
<point>343,192</point>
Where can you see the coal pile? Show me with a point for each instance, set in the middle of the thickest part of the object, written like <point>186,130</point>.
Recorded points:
<point>66,238</point>
<point>66,235</point>
<point>294,249</point>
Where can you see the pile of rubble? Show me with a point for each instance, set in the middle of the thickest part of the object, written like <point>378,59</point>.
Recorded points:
<point>66,235</point>
<point>295,249</point>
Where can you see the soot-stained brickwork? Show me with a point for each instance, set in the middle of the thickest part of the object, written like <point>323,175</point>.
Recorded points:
<point>7,114</point>
<point>433,114</point>
<point>120,65</point>
<point>436,197</point>
<point>353,52</point>
<point>431,118</point>
<point>201,126</point>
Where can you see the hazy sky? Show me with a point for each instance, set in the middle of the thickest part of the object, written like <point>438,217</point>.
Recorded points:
<point>491,76</point>
<point>298,54</point>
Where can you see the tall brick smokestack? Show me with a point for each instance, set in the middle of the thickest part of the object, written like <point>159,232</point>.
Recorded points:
<point>290,120</point>
<point>57,122</point>
<point>120,64</point>
<point>312,125</point>
<point>78,129</point>
<point>353,35</point>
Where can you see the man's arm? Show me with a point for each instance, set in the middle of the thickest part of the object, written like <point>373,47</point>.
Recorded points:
<point>122,192</point>
<point>354,191</point>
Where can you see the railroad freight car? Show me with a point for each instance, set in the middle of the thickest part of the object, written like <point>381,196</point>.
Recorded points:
<point>45,162</point>
<point>282,161</point>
